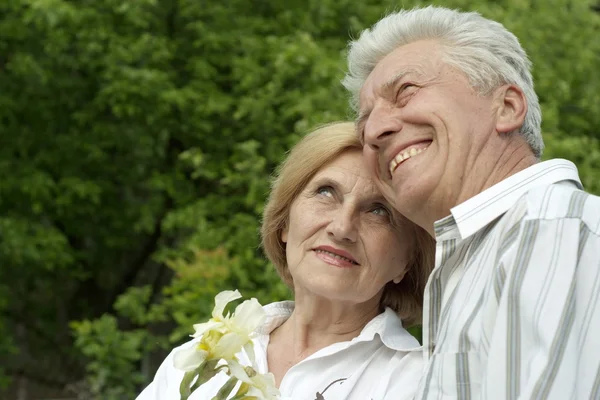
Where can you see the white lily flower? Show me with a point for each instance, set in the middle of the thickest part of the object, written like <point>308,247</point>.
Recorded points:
<point>247,317</point>
<point>261,386</point>
<point>217,322</point>
<point>189,359</point>
<point>223,336</point>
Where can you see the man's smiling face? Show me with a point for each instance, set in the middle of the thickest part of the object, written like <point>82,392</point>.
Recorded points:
<point>423,127</point>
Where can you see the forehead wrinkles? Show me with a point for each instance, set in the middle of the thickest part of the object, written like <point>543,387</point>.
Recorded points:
<point>384,85</point>
<point>419,58</point>
<point>353,181</point>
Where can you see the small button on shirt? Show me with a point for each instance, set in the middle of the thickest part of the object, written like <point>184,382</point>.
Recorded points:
<point>383,362</point>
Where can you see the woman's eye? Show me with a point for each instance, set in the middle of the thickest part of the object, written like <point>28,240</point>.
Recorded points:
<point>381,210</point>
<point>325,191</point>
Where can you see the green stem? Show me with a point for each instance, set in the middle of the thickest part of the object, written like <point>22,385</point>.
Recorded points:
<point>241,393</point>
<point>185,386</point>
<point>226,389</point>
<point>206,374</point>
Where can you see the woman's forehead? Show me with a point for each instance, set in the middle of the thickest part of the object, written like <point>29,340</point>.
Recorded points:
<point>350,175</point>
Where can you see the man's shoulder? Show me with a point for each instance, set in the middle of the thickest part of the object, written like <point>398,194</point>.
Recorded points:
<point>561,200</point>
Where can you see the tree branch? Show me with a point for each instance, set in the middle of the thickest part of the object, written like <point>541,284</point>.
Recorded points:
<point>146,252</point>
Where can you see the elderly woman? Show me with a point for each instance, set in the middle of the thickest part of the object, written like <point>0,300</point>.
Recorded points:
<point>357,269</point>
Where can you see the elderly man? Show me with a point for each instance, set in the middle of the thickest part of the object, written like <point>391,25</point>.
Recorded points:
<point>450,125</point>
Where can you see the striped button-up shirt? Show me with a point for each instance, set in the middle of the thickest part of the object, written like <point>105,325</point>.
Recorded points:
<point>512,308</point>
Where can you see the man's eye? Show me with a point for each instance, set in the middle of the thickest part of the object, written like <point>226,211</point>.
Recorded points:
<point>404,92</point>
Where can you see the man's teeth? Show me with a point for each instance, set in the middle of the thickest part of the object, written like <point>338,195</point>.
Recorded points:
<point>335,255</point>
<point>404,156</point>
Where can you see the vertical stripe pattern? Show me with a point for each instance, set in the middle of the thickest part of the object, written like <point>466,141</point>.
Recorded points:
<point>513,306</point>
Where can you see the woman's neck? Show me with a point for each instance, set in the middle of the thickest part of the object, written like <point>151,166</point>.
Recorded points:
<point>315,324</point>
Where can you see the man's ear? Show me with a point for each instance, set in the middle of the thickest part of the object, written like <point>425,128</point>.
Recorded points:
<point>512,108</point>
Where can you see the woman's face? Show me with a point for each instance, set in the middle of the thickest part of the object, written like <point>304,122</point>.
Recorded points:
<point>343,240</point>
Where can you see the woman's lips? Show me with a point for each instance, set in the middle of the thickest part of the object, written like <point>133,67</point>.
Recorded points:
<point>336,257</point>
<point>334,260</point>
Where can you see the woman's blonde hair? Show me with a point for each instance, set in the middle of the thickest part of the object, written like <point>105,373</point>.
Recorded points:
<point>306,158</point>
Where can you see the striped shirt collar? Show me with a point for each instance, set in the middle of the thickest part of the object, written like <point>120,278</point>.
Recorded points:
<point>386,325</point>
<point>475,213</point>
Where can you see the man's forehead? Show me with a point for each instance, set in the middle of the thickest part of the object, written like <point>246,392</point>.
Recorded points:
<point>416,58</point>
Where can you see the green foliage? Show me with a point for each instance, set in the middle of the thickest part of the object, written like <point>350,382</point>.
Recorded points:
<point>114,352</point>
<point>111,371</point>
<point>193,288</point>
<point>137,141</point>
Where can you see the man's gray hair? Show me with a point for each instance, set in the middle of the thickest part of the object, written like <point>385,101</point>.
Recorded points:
<point>484,50</point>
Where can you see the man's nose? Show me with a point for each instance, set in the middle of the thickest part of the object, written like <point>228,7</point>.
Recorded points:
<point>380,127</point>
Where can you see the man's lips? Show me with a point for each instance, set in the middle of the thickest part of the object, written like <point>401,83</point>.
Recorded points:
<point>406,152</point>
<point>337,256</point>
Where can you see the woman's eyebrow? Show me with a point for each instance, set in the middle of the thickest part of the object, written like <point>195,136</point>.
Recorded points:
<point>377,199</point>
<point>326,181</point>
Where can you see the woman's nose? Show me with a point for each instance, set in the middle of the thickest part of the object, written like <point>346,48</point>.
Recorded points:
<point>343,226</point>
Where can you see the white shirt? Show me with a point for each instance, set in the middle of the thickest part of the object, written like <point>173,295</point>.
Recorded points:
<point>512,308</point>
<point>383,362</point>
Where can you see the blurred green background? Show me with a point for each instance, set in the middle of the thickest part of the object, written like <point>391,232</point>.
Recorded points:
<point>137,139</point>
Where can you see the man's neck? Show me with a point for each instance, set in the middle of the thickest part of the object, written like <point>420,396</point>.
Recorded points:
<point>492,166</point>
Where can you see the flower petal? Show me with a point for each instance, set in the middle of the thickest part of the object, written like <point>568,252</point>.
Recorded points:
<point>222,299</point>
<point>238,371</point>
<point>263,386</point>
<point>249,348</point>
<point>248,316</point>
<point>188,359</point>
<point>229,345</point>
<point>206,326</point>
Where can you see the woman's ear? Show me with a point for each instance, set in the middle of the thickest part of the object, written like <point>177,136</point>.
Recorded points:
<point>284,233</point>
<point>398,278</point>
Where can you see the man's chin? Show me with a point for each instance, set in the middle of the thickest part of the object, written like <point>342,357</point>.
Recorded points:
<point>409,198</point>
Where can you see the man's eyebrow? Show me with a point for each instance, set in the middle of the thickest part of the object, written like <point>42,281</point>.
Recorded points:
<point>386,87</point>
<point>391,83</point>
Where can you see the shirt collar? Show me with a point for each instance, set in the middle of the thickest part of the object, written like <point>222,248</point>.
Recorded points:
<point>276,314</point>
<point>387,325</point>
<point>475,213</point>
<point>389,328</point>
